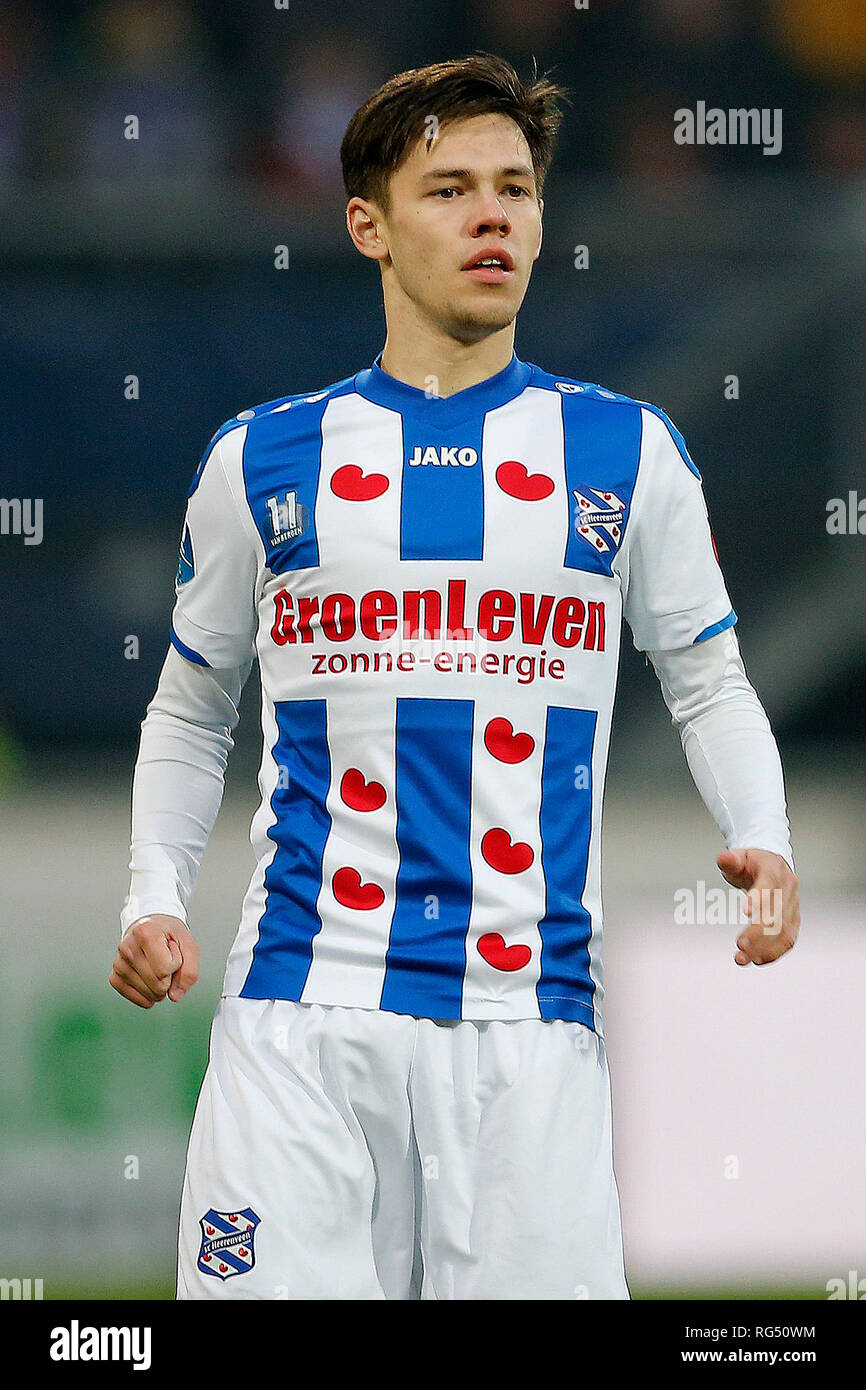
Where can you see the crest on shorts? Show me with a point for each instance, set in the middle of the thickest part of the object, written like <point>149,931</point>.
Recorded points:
<point>227,1242</point>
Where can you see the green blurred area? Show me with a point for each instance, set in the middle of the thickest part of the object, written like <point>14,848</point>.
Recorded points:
<point>156,1291</point>
<point>13,759</point>
<point>94,1093</point>
<point>86,1064</point>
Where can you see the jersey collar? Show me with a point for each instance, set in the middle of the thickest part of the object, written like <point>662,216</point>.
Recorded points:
<point>387,390</point>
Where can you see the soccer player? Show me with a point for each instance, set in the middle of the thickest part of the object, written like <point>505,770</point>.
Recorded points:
<point>407,1094</point>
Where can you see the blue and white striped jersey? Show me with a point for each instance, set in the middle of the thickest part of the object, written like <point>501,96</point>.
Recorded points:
<point>434,589</point>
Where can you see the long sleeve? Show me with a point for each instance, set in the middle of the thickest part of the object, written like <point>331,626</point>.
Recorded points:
<point>186,738</point>
<point>728,743</point>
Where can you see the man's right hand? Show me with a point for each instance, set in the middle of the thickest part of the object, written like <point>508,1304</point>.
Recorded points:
<point>157,956</point>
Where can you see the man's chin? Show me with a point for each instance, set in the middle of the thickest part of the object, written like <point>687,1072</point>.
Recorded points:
<point>471,326</point>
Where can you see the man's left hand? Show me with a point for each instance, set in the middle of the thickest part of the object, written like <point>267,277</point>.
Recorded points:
<point>772,903</point>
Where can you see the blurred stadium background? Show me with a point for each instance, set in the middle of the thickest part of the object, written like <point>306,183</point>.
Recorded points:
<point>738,1095</point>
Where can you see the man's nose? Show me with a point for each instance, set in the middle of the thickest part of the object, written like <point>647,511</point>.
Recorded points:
<point>490,215</point>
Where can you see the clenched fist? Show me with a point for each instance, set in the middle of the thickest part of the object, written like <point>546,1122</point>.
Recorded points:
<point>157,956</point>
<point>772,903</point>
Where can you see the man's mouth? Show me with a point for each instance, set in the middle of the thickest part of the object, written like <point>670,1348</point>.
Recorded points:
<point>490,268</point>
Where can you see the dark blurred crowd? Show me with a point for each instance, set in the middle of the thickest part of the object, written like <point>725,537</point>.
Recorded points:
<point>263,89</point>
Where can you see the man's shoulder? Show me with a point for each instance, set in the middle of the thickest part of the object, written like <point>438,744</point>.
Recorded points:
<point>251,417</point>
<point>281,404</point>
<point>572,387</point>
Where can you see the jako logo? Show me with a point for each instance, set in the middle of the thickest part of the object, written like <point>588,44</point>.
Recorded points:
<point>75,1343</point>
<point>443,455</point>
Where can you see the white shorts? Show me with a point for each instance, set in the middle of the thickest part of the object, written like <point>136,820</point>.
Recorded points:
<point>344,1153</point>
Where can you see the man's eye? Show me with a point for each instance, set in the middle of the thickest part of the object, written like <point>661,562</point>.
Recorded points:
<point>514,188</point>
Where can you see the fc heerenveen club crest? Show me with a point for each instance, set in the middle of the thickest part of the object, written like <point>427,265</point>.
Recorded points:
<point>227,1242</point>
<point>599,518</point>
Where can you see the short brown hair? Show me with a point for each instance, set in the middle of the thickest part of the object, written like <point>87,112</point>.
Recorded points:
<point>384,129</point>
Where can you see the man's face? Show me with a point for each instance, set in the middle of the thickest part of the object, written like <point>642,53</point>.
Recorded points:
<point>471,192</point>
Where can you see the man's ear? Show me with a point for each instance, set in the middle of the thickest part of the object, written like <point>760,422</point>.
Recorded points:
<point>363,219</point>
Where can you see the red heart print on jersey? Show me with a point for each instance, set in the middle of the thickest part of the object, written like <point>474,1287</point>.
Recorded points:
<point>350,483</point>
<point>509,747</point>
<point>513,478</point>
<point>501,854</point>
<point>351,892</point>
<point>494,950</point>
<point>359,794</point>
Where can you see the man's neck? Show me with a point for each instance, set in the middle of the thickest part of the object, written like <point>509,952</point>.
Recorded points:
<point>441,365</point>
